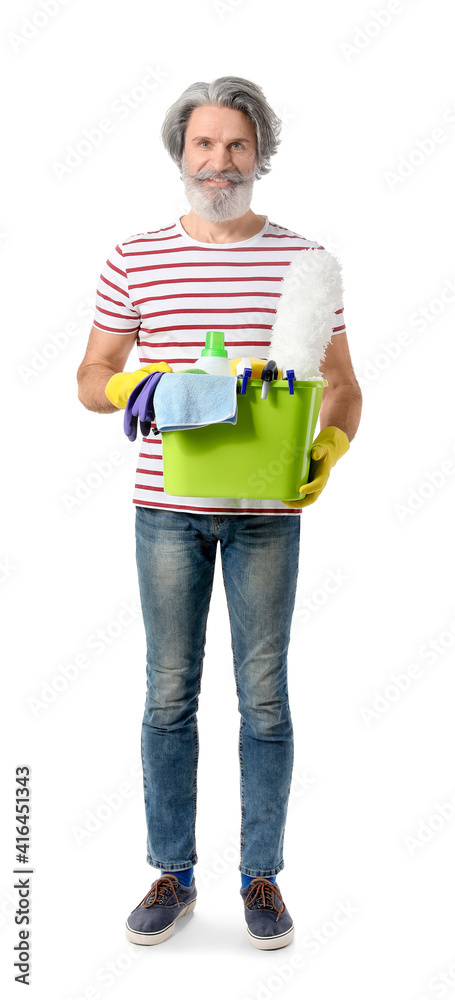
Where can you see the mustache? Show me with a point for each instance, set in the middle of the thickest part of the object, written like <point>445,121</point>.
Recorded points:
<point>228,175</point>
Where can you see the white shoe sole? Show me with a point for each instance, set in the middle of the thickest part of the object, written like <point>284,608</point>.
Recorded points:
<point>269,943</point>
<point>156,937</point>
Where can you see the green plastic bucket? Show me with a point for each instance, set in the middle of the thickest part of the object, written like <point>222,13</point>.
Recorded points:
<point>265,455</point>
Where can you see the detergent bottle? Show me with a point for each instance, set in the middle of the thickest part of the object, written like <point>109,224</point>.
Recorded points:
<point>214,356</point>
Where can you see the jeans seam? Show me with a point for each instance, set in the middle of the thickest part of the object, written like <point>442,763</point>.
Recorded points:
<point>242,791</point>
<point>196,737</point>
<point>242,723</point>
<point>144,782</point>
<point>196,758</point>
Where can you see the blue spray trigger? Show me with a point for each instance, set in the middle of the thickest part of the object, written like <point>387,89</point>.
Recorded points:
<point>247,373</point>
<point>290,375</point>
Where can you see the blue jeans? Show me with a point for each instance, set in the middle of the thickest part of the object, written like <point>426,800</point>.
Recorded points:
<point>176,554</point>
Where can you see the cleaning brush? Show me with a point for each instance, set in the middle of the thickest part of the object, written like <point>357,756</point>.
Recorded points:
<point>311,290</point>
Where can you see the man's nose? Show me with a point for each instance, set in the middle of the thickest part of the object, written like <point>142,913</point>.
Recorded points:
<point>220,159</point>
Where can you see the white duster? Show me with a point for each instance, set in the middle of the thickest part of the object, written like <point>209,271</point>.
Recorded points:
<point>312,288</point>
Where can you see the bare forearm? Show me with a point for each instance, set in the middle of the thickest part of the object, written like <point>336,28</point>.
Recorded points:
<point>341,407</point>
<point>92,381</point>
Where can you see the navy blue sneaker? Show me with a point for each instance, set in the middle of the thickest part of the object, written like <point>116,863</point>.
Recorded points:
<point>153,919</point>
<point>269,924</point>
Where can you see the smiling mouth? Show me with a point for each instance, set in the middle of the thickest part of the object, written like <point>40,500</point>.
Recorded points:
<point>218,183</point>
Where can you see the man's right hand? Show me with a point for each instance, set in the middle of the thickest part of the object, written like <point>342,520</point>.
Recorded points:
<point>121,385</point>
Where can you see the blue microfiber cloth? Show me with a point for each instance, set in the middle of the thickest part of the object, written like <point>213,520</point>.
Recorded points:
<point>183,401</point>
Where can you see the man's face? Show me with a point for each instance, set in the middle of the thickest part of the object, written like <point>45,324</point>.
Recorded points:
<point>219,162</point>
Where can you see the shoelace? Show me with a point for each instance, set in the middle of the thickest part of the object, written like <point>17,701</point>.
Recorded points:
<point>265,891</point>
<point>159,890</point>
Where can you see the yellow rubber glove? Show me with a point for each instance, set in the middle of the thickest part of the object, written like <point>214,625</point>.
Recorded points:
<point>257,365</point>
<point>326,449</point>
<point>121,385</point>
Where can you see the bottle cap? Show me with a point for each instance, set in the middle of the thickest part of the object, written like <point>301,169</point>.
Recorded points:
<point>214,345</point>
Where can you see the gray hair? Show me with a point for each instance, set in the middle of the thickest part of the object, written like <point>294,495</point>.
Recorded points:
<point>229,92</point>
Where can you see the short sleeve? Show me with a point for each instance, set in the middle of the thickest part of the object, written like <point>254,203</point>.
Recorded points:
<point>114,311</point>
<point>338,324</point>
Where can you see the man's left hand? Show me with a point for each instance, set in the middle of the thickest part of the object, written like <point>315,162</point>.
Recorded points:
<point>326,449</point>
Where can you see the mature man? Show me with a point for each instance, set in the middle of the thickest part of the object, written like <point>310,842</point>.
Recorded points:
<point>220,266</point>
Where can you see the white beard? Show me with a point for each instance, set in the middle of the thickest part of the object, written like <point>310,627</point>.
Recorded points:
<point>218,206</point>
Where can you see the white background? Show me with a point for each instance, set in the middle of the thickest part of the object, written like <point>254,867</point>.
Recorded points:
<point>370,817</point>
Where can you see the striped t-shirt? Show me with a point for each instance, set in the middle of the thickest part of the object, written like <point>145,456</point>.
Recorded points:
<point>170,289</point>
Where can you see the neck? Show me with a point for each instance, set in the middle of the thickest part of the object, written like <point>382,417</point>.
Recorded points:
<point>232,231</point>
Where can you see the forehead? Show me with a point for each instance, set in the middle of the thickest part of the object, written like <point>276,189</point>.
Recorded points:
<point>219,123</point>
